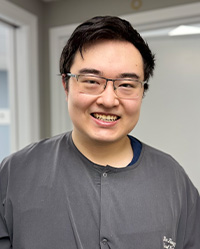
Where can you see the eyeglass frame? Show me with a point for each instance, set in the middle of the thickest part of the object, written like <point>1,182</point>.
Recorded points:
<point>107,79</point>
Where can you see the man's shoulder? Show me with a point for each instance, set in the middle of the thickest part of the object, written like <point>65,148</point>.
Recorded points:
<point>37,150</point>
<point>159,156</point>
<point>164,165</point>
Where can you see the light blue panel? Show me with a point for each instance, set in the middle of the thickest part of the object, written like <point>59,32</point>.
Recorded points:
<point>4,93</point>
<point>4,141</point>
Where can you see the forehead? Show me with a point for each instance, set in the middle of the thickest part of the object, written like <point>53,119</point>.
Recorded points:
<point>109,55</point>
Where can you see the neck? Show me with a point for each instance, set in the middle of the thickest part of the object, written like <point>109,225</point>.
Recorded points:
<point>117,154</point>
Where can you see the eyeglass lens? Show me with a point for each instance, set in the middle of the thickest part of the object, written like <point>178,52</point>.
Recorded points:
<point>124,88</point>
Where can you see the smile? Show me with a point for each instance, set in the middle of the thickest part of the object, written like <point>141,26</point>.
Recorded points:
<point>107,118</point>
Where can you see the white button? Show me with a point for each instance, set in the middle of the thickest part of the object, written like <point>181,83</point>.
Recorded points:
<point>104,174</point>
<point>104,241</point>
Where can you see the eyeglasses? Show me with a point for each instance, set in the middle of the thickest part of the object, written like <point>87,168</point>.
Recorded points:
<point>94,85</point>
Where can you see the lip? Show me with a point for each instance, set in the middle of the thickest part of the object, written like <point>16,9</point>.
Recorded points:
<point>112,119</point>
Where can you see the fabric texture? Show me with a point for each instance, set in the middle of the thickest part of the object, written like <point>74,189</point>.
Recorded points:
<point>51,196</point>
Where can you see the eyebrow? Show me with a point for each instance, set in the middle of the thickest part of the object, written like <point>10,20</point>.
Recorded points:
<point>89,71</point>
<point>129,75</point>
<point>97,72</point>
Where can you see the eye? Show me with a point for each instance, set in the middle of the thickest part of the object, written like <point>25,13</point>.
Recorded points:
<point>128,84</point>
<point>90,80</point>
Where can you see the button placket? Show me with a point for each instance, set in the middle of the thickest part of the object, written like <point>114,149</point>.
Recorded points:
<point>104,241</point>
<point>105,203</point>
<point>104,244</point>
<point>105,174</point>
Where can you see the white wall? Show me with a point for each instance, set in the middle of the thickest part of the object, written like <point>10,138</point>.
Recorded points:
<point>170,117</point>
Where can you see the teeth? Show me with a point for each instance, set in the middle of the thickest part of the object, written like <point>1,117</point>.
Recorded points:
<point>105,117</point>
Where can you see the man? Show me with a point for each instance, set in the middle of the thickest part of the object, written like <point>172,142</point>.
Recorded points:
<point>97,186</point>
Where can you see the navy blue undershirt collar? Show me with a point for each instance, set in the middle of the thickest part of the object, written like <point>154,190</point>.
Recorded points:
<point>137,147</point>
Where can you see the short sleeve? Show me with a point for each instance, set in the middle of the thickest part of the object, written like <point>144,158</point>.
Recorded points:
<point>192,235</point>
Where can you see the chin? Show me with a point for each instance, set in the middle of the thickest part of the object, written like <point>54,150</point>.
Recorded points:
<point>107,139</point>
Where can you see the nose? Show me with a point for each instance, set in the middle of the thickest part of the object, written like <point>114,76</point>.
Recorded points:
<point>108,98</point>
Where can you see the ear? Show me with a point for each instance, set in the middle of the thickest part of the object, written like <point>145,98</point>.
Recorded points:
<point>64,85</point>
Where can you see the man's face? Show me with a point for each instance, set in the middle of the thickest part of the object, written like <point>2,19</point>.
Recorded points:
<point>104,118</point>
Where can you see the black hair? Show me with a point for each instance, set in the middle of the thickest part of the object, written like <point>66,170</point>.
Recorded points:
<point>106,28</point>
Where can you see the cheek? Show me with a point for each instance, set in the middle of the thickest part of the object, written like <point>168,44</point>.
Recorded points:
<point>73,104</point>
<point>78,103</point>
<point>133,114</point>
<point>133,108</point>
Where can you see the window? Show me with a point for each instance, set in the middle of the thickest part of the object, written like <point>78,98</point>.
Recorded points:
<point>6,74</point>
<point>19,77</point>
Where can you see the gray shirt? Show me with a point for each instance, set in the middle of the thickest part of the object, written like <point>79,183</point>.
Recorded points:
<point>52,197</point>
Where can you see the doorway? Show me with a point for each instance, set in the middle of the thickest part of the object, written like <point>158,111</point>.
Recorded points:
<point>20,102</point>
<point>7,131</point>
